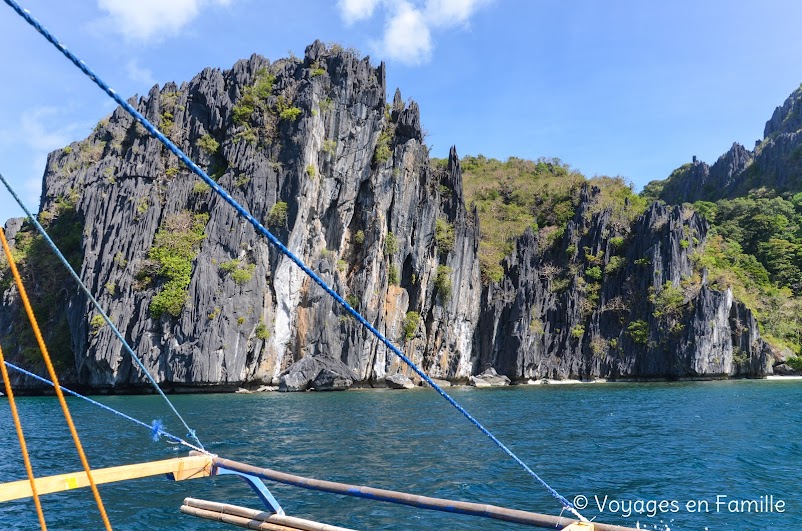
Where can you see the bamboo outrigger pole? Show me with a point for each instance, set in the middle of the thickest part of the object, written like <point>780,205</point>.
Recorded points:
<point>252,519</point>
<point>422,502</point>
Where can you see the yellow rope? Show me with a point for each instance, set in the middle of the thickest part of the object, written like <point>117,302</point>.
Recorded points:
<point>54,378</point>
<point>24,447</point>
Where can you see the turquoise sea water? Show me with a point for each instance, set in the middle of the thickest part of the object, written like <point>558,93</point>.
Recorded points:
<point>677,442</point>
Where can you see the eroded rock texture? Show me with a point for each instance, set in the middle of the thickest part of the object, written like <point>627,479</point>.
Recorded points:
<point>310,147</point>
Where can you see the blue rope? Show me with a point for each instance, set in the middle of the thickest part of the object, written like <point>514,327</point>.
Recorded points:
<point>63,259</point>
<point>155,429</point>
<point>280,246</point>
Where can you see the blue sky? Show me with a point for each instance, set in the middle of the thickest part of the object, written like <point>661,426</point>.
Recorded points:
<point>611,87</point>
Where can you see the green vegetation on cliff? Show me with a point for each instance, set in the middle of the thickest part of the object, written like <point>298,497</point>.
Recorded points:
<point>411,322</point>
<point>239,270</point>
<point>171,258</point>
<point>542,195</point>
<point>45,279</point>
<point>755,247</point>
<point>766,226</point>
<point>777,310</point>
<point>254,98</point>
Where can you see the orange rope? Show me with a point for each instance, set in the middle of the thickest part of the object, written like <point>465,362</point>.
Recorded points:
<point>21,437</point>
<point>54,378</point>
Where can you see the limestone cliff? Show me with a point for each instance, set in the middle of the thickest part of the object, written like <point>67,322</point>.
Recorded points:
<point>775,163</point>
<point>312,149</point>
<point>616,301</point>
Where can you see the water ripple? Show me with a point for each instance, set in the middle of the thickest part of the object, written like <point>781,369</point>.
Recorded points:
<point>627,442</point>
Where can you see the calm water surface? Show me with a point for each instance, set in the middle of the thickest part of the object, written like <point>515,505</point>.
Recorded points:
<point>679,442</point>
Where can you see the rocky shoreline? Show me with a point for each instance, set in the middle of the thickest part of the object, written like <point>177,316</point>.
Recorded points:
<point>479,384</point>
<point>382,385</point>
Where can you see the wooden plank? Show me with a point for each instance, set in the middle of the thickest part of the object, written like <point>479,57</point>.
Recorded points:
<point>251,518</point>
<point>179,468</point>
<point>231,519</point>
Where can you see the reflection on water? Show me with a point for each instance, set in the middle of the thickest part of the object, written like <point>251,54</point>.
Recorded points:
<point>632,444</point>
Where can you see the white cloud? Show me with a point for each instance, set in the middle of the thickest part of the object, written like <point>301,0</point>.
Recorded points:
<point>447,13</point>
<point>407,36</point>
<point>356,10</point>
<point>409,25</point>
<point>148,20</point>
<point>138,74</point>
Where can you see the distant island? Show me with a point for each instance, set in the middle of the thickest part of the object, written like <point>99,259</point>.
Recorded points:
<point>483,271</point>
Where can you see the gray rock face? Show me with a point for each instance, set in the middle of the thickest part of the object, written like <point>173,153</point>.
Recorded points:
<point>398,381</point>
<point>320,373</point>
<point>545,320</point>
<point>700,181</point>
<point>784,370</point>
<point>11,229</point>
<point>329,380</point>
<point>489,378</point>
<point>362,206</point>
<point>780,355</point>
<point>299,375</point>
<point>310,147</point>
<point>787,118</point>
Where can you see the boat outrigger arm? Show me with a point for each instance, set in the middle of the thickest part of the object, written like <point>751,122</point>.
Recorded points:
<point>198,465</point>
